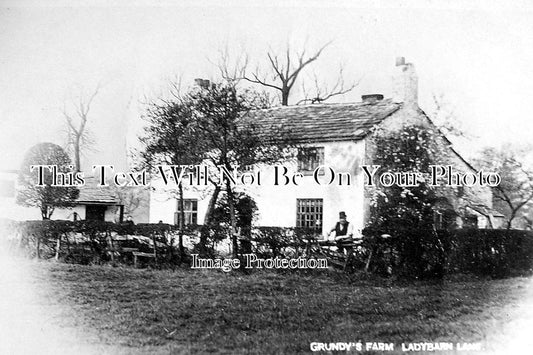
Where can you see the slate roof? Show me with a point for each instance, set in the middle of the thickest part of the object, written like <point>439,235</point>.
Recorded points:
<point>326,122</point>
<point>90,193</point>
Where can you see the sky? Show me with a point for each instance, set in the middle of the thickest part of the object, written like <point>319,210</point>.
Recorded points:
<point>477,55</point>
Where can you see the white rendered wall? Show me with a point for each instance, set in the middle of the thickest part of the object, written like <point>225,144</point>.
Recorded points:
<point>277,204</point>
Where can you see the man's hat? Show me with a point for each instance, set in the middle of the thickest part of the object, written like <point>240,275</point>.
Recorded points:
<point>342,214</point>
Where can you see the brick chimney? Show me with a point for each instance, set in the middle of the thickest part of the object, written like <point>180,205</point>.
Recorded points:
<point>372,98</point>
<point>405,84</point>
<point>202,83</point>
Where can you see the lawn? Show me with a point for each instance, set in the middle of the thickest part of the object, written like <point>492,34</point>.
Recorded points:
<point>191,311</point>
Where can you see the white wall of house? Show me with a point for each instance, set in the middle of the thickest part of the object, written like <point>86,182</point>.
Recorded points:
<point>68,213</point>
<point>111,213</point>
<point>163,202</point>
<point>277,205</point>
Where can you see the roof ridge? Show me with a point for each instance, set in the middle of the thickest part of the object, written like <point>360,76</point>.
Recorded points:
<point>387,100</point>
<point>327,122</point>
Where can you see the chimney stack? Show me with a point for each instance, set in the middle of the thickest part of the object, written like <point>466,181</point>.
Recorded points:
<point>202,83</point>
<point>400,61</point>
<point>372,98</point>
<point>405,84</point>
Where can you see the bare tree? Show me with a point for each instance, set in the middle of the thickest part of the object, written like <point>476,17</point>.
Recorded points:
<point>131,198</point>
<point>232,69</point>
<point>514,195</point>
<point>284,70</point>
<point>280,74</point>
<point>322,92</point>
<point>78,136</point>
<point>445,118</point>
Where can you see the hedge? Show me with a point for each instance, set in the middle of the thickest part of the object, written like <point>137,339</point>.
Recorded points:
<point>411,253</point>
<point>432,254</point>
<point>279,241</point>
<point>88,241</point>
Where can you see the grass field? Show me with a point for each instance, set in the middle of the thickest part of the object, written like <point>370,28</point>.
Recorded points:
<point>189,311</point>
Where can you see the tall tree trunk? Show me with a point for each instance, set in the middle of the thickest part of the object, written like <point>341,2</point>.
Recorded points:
<point>38,246</point>
<point>154,240</point>
<point>181,221</point>
<point>77,153</point>
<point>208,220</point>
<point>58,246</point>
<point>233,231</point>
<point>68,243</point>
<point>285,97</point>
<point>511,218</point>
<point>111,247</point>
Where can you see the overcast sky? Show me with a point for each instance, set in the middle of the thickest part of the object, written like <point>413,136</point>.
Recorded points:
<point>478,55</point>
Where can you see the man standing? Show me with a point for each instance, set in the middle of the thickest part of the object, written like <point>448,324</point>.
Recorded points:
<point>343,232</point>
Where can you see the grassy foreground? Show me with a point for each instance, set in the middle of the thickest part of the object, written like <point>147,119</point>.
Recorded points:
<point>191,311</point>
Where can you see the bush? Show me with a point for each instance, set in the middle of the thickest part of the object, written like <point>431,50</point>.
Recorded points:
<point>422,253</point>
<point>89,241</point>
<point>494,252</point>
<point>279,241</point>
<point>407,253</point>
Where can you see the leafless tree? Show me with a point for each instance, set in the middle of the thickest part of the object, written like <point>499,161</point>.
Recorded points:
<point>280,73</point>
<point>322,92</point>
<point>131,198</point>
<point>514,195</point>
<point>284,70</point>
<point>232,69</point>
<point>78,136</point>
<point>444,116</point>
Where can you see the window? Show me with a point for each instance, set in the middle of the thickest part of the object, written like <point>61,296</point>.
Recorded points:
<point>190,209</point>
<point>470,221</point>
<point>95,212</point>
<point>310,158</point>
<point>309,213</point>
<point>248,168</point>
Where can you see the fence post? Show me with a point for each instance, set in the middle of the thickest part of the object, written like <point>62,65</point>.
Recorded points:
<point>58,246</point>
<point>155,247</point>
<point>112,247</point>
<point>38,246</point>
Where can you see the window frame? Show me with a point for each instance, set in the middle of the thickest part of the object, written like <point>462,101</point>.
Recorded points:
<point>313,207</point>
<point>318,155</point>
<point>191,213</point>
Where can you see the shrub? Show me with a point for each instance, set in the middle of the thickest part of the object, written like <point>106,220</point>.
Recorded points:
<point>88,241</point>
<point>425,253</point>
<point>279,241</point>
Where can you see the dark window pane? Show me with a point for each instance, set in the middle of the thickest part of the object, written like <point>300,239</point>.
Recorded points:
<point>309,213</point>
<point>310,158</point>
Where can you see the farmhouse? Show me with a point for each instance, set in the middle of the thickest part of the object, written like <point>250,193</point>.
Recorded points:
<point>98,203</point>
<point>335,136</point>
<point>93,202</point>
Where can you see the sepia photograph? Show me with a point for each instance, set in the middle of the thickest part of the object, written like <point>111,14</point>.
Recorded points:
<point>266,177</point>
